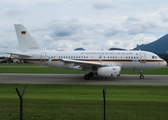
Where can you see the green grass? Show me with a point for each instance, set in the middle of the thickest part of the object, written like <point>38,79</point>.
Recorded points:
<point>36,69</point>
<point>39,70</point>
<point>162,71</point>
<point>81,102</point>
<point>15,64</point>
<point>33,68</point>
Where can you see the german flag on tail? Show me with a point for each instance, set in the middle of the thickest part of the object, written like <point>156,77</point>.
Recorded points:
<point>23,32</point>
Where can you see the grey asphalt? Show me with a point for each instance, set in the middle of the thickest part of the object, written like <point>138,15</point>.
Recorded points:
<point>78,79</point>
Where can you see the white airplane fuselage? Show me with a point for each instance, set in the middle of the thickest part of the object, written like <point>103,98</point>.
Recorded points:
<point>128,60</point>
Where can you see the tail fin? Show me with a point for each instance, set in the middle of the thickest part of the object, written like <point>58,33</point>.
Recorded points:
<point>25,39</point>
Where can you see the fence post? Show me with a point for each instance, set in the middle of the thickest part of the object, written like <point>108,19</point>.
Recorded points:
<point>104,99</point>
<point>21,101</point>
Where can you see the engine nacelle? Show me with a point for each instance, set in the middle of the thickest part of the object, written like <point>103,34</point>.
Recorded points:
<point>109,71</point>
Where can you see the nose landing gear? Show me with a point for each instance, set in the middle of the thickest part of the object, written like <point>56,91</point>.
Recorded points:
<point>141,75</point>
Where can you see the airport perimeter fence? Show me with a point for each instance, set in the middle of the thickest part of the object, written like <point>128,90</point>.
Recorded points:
<point>83,110</point>
<point>49,109</point>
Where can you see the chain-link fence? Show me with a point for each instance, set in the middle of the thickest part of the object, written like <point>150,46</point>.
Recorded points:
<point>83,110</point>
<point>49,108</point>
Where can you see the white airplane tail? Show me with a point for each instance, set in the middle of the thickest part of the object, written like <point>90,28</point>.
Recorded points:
<point>25,39</point>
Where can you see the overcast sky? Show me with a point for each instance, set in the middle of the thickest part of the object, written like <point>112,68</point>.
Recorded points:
<point>90,24</point>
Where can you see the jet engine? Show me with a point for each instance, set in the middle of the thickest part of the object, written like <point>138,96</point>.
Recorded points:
<point>109,71</point>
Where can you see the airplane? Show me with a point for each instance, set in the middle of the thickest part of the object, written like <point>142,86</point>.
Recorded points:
<point>1,60</point>
<point>100,63</point>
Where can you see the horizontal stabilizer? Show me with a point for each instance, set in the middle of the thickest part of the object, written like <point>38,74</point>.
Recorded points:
<point>19,54</point>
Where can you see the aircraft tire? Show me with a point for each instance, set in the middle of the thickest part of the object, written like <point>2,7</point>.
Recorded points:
<point>91,74</point>
<point>86,77</point>
<point>141,77</point>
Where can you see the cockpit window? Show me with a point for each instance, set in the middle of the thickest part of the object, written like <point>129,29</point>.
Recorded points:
<point>154,57</point>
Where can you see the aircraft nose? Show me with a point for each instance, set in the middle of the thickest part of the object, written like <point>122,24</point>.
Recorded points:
<point>164,63</point>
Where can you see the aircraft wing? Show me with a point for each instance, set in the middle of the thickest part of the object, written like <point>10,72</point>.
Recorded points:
<point>67,61</point>
<point>82,64</point>
<point>19,54</point>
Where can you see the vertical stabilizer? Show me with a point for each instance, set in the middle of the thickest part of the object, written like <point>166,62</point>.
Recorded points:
<point>25,39</point>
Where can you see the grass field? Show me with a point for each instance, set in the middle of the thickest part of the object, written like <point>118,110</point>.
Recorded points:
<point>33,68</point>
<point>81,102</point>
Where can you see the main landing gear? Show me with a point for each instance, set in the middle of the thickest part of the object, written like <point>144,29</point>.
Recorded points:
<point>88,76</point>
<point>141,75</point>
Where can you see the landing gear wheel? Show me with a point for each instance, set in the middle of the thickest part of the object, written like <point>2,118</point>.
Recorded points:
<point>141,77</point>
<point>91,74</point>
<point>86,77</point>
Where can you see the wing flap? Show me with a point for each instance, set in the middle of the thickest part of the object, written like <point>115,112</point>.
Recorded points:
<point>81,64</point>
<point>78,62</point>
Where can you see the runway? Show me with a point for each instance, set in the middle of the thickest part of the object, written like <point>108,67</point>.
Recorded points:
<point>78,79</point>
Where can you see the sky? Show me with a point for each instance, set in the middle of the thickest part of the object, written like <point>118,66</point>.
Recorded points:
<point>89,24</point>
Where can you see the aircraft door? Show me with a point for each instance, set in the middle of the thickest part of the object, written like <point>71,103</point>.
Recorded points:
<point>100,58</point>
<point>142,57</point>
<point>43,58</point>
